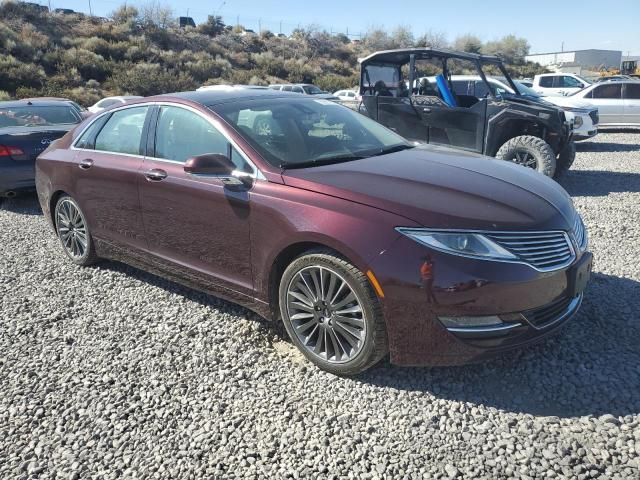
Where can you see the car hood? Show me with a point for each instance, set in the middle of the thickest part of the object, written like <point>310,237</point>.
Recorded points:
<point>444,188</point>
<point>569,102</point>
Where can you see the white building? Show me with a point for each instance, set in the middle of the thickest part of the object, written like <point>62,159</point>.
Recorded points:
<point>579,59</point>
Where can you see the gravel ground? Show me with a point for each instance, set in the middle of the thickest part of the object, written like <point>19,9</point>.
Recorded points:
<point>109,372</point>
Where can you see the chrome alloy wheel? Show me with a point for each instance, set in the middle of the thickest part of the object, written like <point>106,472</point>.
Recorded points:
<point>71,229</point>
<point>326,314</point>
<point>526,159</point>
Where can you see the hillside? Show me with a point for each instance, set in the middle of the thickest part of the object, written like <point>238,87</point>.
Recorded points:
<point>145,53</point>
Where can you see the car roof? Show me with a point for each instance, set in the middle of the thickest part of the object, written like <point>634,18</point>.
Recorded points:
<point>213,97</point>
<point>401,56</point>
<point>34,102</point>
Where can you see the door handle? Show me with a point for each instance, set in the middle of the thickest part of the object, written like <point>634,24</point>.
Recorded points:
<point>155,174</point>
<point>86,164</point>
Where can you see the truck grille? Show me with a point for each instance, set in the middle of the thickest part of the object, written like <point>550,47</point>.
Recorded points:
<point>580,233</point>
<point>544,251</point>
<point>595,118</point>
<point>553,312</point>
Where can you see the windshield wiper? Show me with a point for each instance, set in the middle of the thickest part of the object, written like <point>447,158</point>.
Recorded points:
<point>393,149</point>
<point>321,161</point>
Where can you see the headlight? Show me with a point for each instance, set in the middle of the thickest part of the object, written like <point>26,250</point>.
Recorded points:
<point>577,122</point>
<point>459,243</point>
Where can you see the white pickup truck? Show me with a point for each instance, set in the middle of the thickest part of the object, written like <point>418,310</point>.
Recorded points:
<point>558,84</point>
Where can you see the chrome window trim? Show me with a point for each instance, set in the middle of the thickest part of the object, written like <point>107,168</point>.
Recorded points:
<point>256,174</point>
<point>562,266</point>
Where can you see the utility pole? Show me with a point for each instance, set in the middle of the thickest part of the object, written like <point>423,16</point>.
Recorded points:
<point>562,47</point>
<point>259,26</point>
<point>280,26</point>
<point>90,10</point>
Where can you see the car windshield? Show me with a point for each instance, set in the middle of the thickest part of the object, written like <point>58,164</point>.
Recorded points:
<point>307,132</point>
<point>36,115</point>
<point>524,90</point>
<point>311,90</point>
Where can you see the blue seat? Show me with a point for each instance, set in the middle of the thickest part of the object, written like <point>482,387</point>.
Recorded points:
<point>447,96</point>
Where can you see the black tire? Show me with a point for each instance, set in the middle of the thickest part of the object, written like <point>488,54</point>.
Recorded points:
<point>374,345</point>
<point>88,255</point>
<point>565,159</point>
<point>529,146</point>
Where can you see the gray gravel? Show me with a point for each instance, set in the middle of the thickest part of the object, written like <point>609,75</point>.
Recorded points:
<point>109,372</point>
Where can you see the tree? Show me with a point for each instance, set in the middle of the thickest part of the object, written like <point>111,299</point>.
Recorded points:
<point>213,27</point>
<point>377,38</point>
<point>432,39</point>
<point>154,14</point>
<point>512,49</point>
<point>402,37</point>
<point>124,14</point>
<point>468,43</point>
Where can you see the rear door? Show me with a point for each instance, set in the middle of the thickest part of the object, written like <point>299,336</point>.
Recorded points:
<point>631,104</point>
<point>608,98</point>
<point>108,160</point>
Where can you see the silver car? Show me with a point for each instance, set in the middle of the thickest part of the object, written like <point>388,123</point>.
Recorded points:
<point>618,102</point>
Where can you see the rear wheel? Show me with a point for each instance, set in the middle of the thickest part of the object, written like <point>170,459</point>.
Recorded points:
<point>531,152</point>
<point>332,314</point>
<point>73,232</point>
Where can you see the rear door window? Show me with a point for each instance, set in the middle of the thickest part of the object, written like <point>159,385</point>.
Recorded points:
<point>610,91</point>
<point>546,82</point>
<point>570,82</point>
<point>297,90</point>
<point>632,91</point>
<point>123,131</point>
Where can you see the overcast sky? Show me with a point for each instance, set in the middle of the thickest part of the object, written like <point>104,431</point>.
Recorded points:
<point>580,24</point>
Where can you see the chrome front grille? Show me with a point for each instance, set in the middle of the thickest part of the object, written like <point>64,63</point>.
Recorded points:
<point>580,233</point>
<point>544,251</point>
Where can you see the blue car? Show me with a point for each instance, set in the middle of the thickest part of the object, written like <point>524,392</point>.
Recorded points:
<point>27,128</point>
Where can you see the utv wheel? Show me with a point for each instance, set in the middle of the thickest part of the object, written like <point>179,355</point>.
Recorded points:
<point>332,314</point>
<point>73,232</point>
<point>529,151</point>
<point>565,159</point>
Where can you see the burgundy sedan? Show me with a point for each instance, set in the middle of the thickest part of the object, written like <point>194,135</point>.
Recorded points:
<point>303,210</point>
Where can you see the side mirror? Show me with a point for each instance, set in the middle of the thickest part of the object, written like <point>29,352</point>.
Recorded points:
<point>209,164</point>
<point>219,166</point>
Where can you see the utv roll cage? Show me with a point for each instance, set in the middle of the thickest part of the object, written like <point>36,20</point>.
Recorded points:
<point>410,56</point>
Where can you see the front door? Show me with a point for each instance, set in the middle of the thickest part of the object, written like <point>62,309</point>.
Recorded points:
<point>608,99</point>
<point>108,160</point>
<point>195,224</point>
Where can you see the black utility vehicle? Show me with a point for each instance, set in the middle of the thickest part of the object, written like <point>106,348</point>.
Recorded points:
<point>410,92</point>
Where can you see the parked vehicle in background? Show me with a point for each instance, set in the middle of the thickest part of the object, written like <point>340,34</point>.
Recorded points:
<point>583,115</point>
<point>550,84</point>
<point>205,88</point>
<point>84,113</point>
<point>305,89</point>
<point>362,243</point>
<point>510,127</point>
<point>612,78</point>
<point>618,102</point>
<point>346,95</point>
<point>27,127</point>
<point>527,82</point>
<point>110,101</point>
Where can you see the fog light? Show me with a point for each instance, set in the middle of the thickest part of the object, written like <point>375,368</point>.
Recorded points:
<point>471,321</point>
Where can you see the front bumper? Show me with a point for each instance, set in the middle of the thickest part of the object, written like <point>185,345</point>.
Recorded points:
<point>413,304</point>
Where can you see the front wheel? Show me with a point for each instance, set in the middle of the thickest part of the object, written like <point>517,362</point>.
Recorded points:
<point>531,152</point>
<point>332,314</point>
<point>73,232</point>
